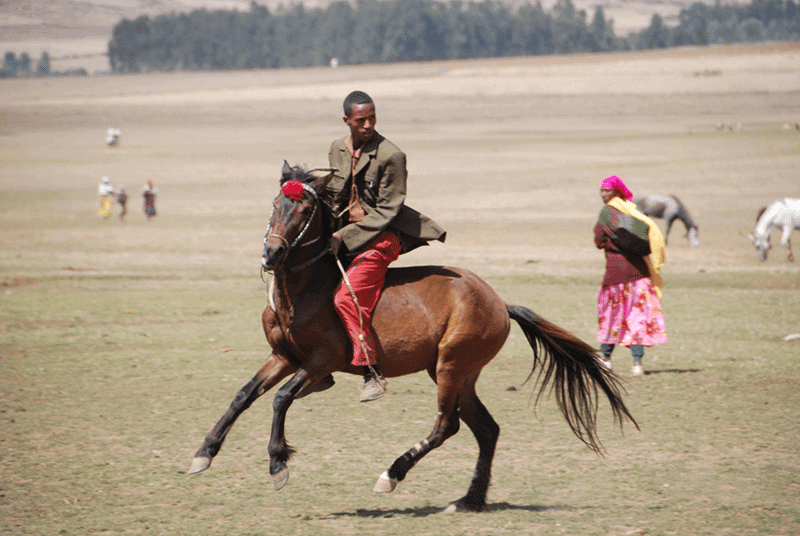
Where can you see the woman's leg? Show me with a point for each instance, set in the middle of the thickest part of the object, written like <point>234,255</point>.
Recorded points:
<point>606,349</point>
<point>638,352</point>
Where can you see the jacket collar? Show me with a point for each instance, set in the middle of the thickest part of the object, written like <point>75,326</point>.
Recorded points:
<point>369,152</point>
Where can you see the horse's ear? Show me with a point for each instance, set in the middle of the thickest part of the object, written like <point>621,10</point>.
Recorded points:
<point>286,171</point>
<point>320,183</point>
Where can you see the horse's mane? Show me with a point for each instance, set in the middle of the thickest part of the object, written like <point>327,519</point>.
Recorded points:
<point>761,212</point>
<point>295,173</point>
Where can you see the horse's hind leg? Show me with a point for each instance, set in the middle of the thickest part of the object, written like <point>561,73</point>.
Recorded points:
<point>446,426</point>
<point>486,431</point>
<point>274,370</point>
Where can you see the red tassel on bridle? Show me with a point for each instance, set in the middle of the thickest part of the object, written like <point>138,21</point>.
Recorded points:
<point>293,190</point>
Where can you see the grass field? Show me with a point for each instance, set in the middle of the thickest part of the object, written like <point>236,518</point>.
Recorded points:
<point>121,344</point>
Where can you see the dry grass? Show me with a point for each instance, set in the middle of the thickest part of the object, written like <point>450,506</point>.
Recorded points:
<point>122,343</point>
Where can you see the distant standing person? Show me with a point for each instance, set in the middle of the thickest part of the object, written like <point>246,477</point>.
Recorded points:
<point>628,305</point>
<point>149,196</point>
<point>122,199</point>
<point>106,192</point>
<point>112,136</point>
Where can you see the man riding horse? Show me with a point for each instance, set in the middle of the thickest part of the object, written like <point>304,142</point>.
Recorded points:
<point>367,198</point>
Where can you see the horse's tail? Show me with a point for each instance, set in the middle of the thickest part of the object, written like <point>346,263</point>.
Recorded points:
<point>575,370</point>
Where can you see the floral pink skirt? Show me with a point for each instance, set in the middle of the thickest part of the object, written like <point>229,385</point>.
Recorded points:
<point>630,313</point>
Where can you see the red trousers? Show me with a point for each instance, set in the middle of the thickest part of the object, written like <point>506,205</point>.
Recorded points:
<point>366,275</point>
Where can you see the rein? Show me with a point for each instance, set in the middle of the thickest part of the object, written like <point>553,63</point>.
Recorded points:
<point>360,321</point>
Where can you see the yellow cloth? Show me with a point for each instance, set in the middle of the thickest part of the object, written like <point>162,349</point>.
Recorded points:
<point>105,206</point>
<point>658,249</point>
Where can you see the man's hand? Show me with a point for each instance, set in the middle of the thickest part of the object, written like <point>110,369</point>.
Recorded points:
<point>335,244</point>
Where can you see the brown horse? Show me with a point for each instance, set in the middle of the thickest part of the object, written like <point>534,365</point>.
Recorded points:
<point>446,321</point>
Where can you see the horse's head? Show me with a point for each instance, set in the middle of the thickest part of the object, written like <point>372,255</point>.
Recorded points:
<point>295,219</point>
<point>761,242</point>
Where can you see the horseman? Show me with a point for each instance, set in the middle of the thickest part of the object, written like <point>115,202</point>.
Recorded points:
<point>373,227</point>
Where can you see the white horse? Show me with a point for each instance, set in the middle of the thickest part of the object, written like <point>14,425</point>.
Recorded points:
<point>670,208</point>
<point>783,213</point>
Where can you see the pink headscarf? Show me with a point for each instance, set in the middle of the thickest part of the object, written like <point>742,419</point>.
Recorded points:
<point>615,183</point>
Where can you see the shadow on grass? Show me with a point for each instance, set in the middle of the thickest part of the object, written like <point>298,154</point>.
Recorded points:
<point>432,510</point>
<point>671,371</point>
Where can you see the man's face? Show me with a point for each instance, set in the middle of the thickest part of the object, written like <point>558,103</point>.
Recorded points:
<point>361,122</point>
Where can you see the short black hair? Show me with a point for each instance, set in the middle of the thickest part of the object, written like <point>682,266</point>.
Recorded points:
<point>355,97</point>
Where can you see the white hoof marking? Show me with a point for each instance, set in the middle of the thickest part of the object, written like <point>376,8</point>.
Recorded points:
<point>451,509</point>
<point>385,484</point>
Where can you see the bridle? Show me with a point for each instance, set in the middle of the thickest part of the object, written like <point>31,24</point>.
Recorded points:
<point>289,246</point>
<point>296,242</point>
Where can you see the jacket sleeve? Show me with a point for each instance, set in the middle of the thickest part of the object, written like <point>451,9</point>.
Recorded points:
<point>389,198</point>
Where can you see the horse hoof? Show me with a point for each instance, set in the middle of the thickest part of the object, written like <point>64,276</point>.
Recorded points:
<point>200,463</point>
<point>280,478</point>
<point>461,507</point>
<point>385,484</point>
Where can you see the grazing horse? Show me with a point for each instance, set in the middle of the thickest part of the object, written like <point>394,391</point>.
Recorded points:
<point>783,213</point>
<point>445,321</point>
<point>670,208</point>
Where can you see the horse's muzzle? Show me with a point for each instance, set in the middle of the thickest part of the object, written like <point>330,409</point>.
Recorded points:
<point>272,256</point>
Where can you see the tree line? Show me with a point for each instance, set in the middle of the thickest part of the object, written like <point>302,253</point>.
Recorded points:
<point>701,24</point>
<point>23,66</point>
<point>373,31</point>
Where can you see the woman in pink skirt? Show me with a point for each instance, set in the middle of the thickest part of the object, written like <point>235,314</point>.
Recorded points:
<point>629,306</point>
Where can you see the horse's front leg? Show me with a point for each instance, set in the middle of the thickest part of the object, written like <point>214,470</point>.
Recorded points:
<point>273,371</point>
<point>666,233</point>
<point>279,450</point>
<point>786,241</point>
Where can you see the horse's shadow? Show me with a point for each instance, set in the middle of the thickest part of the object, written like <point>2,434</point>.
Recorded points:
<point>671,371</point>
<point>433,510</point>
